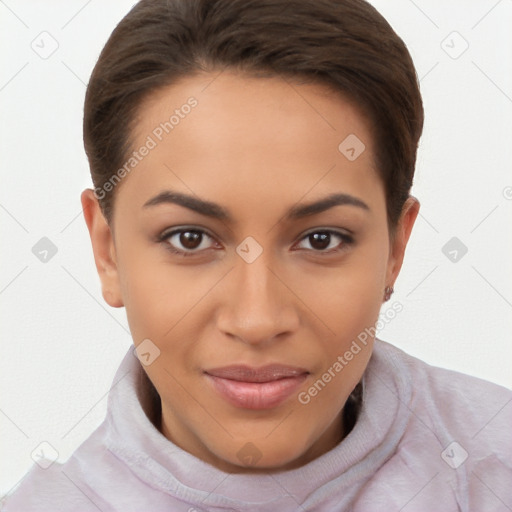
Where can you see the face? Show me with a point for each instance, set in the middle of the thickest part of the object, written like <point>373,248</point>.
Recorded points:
<point>251,250</point>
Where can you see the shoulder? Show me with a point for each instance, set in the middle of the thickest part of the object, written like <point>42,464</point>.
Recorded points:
<point>45,489</point>
<point>68,486</point>
<point>453,399</point>
<point>456,447</point>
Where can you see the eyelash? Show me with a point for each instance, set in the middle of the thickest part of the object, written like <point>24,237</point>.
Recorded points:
<point>347,241</point>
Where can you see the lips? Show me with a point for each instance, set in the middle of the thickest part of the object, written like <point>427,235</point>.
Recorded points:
<point>256,388</point>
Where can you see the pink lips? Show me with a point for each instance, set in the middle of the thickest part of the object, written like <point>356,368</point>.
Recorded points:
<point>256,388</point>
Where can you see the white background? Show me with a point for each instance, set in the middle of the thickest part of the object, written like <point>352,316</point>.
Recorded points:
<point>61,344</point>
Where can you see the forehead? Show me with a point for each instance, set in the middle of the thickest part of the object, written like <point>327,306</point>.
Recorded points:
<point>235,108</point>
<point>225,135</point>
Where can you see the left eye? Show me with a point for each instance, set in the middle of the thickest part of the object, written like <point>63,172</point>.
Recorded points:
<point>325,240</point>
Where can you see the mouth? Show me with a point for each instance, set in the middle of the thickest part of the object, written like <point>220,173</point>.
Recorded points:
<point>256,388</point>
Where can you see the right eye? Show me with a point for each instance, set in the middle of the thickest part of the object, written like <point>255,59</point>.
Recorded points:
<point>186,241</point>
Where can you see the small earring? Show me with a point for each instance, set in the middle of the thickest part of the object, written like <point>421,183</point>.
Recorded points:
<point>388,291</point>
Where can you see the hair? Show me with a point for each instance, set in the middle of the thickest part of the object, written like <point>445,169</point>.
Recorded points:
<point>345,45</point>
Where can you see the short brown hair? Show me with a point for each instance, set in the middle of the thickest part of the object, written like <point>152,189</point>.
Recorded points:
<point>344,44</point>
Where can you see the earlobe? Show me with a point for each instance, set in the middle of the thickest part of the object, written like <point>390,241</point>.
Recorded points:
<point>103,248</point>
<point>409,214</point>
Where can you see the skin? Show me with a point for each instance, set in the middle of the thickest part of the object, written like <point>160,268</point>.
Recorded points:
<point>257,147</point>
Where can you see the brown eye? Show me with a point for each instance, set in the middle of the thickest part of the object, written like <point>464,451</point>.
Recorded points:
<point>320,241</point>
<point>326,241</point>
<point>187,241</point>
<point>190,239</point>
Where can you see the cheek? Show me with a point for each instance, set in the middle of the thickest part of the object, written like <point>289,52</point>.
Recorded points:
<point>351,313</point>
<point>348,302</point>
<point>165,303</point>
<point>150,292</point>
<point>353,322</point>
<point>350,296</point>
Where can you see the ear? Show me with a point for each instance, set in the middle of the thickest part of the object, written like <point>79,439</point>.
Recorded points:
<point>403,230</point>
<point>103,248</point>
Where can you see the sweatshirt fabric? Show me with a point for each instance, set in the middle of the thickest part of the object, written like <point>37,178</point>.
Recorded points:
<point>426,440</point>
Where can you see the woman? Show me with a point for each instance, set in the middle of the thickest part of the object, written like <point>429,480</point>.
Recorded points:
<point>252,164</point>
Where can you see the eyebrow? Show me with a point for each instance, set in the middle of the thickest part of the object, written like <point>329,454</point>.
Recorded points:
<point>213,210</point>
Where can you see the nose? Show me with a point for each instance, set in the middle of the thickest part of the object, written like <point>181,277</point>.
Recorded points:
<point>258,308</point>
